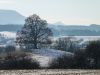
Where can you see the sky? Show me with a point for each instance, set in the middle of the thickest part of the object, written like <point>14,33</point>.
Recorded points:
<point>70,12</point>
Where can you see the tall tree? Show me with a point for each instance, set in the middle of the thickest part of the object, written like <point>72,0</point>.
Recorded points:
<point>34,32</point>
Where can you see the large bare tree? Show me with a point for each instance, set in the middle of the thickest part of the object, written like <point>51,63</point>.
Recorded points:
<point>34,32</point>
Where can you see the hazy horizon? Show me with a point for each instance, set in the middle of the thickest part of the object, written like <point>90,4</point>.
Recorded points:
<point>69,12</point>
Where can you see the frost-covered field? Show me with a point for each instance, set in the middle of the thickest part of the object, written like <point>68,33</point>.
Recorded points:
<point>9,34</point>
<point>50,72</point>
<point>44,56</point>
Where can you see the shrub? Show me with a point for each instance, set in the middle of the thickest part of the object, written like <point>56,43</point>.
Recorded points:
<point>66,44</point>
<point>62,62</point>
<point>93,54</point>
<point>10,49</point>
<point>80,59</point>
<point>18,61</point>
<point>19,64</point>
<point>2,49</point>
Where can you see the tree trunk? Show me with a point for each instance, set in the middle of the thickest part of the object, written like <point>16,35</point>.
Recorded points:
<point>96,63</point>
<point>35,45</point>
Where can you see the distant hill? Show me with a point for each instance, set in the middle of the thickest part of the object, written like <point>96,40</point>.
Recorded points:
<point>59,23</point>
<point>10,28</point>
<point>61,30</point>
<point>75,30</point>
<point>12,21</point>
<point>11,17</point>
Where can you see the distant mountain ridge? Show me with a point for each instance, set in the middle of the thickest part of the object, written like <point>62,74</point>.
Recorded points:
<point>61,30</point>
<point>11,17</point>
<point>59,23</point>
<point>75,30</point>
<point>12,21</point>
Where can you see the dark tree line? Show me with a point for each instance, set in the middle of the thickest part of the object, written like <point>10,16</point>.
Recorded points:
<point>88,58</point>
<point>93,53</point>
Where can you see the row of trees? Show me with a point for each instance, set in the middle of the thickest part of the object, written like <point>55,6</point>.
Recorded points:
<point>88,58</point>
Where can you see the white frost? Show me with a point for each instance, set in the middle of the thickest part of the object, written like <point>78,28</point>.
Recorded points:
<point>44,56</point>
<point>9,34</point>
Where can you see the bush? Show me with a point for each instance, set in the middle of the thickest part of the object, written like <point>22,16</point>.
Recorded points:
<point>2,49</point>
<point>76,61</point>
<point>66,44</point>
<point>62,62</point>
<point>80,59</point>
<point>18,61</point>
<point>10,49</point>
<point>19,64</point>
<point>93,54</point>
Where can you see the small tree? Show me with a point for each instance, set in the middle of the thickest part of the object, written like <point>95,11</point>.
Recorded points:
<point>34,32</point>
<point>65,44</point>
<point>10,48</point>
<point>2,49</point>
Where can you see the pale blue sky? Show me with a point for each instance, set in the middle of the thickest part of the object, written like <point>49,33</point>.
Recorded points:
<point>67,11</point>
